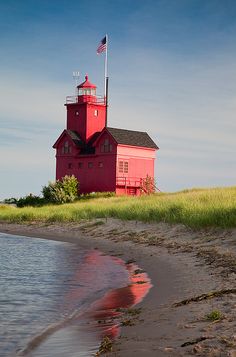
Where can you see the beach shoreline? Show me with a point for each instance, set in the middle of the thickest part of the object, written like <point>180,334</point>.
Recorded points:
<point>182,264</point>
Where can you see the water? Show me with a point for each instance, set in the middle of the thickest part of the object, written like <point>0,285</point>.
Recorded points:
<point>54,296</point>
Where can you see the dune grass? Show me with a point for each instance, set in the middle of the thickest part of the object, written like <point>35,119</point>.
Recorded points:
<point>195,208</point>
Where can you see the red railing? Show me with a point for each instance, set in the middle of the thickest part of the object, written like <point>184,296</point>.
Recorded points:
<point>146,186</point>
<point>129,181</point>
<point>70,99</point>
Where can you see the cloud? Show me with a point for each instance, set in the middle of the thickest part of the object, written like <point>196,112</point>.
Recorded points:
<point>35,101</point>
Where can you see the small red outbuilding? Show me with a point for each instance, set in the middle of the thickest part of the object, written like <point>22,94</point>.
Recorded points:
<point>102,158</point>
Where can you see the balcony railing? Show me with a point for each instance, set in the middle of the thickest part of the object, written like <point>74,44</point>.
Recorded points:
<point>145,185</point>
<point>71,99</point>
<point>129,181</point>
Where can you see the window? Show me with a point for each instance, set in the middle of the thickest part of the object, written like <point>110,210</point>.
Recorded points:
<point>70,165</point>
<point>90,165</point>
<point>123,167</point>
<point>66,149</point>
<point>106,146</point>
<point>80,165</point>
<point>95,112</point>
<point>86,91</point>
<point>100,164</point>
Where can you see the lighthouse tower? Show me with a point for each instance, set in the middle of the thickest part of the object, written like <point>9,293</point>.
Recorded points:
<point>86,115</point>
<point>102,158</point>
<point>85,112</point>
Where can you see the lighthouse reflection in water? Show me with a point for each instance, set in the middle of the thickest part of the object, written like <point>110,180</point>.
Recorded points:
<point>58,299</point>
<point>82,333</point>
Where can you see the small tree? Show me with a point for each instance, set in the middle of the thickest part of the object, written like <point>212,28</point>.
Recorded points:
<point>62,191</point>
<point>148,185</point>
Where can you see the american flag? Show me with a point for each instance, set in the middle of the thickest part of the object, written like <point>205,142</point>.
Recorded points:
<point>102,46</point>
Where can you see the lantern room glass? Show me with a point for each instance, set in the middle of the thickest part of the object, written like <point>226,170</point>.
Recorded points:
<point>87,91</point>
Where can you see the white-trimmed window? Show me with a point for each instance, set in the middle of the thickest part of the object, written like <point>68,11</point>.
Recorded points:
<point>126,167</point>
<point>95,112</point>
<point>123,166</point>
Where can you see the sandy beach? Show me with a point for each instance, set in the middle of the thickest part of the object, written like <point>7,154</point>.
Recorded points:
<point>184,266</point>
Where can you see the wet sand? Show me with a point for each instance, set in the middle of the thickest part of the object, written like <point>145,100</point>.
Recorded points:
<point>182,264</point>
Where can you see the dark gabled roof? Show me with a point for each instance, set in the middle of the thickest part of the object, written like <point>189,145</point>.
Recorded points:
<point>88,148</point>
<point>93,138</point>
<point>132,138</point>
<point>121,136</point>
<point>75,137</point>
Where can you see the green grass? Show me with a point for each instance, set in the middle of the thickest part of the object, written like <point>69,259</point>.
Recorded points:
<point>195,208</point>
<point>214,315</point>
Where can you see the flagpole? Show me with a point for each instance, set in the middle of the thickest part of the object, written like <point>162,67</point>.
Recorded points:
<point>106,79</point>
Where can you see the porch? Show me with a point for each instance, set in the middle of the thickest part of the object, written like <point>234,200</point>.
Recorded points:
<point>135,186</point>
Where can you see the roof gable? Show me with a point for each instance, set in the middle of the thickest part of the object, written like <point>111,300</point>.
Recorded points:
<point>72,135</point>
<point>132,138</point>
<point>99,136</point>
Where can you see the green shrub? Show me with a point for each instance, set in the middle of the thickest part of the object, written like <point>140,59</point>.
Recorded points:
<point>62,191</point>
<point>10,201</point>
<point>30,200</point>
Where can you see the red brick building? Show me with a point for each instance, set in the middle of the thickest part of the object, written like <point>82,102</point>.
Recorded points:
<point>102,158</point>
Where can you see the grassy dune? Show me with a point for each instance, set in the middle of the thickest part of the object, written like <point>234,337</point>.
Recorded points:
<point>195,208</point>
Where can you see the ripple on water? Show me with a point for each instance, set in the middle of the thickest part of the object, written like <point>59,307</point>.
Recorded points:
<point>46,287</point>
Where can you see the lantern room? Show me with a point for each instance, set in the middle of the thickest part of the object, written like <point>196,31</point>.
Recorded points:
<point>86,91</point>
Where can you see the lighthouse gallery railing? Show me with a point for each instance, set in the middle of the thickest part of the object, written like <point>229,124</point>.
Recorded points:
<point>70,99</point>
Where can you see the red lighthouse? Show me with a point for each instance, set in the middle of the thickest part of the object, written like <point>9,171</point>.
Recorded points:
<point>102,158</point>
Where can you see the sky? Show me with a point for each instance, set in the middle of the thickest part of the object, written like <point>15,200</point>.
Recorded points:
<point>172,73</point>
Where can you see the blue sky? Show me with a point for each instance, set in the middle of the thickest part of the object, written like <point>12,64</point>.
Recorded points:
<point>172,69</point>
